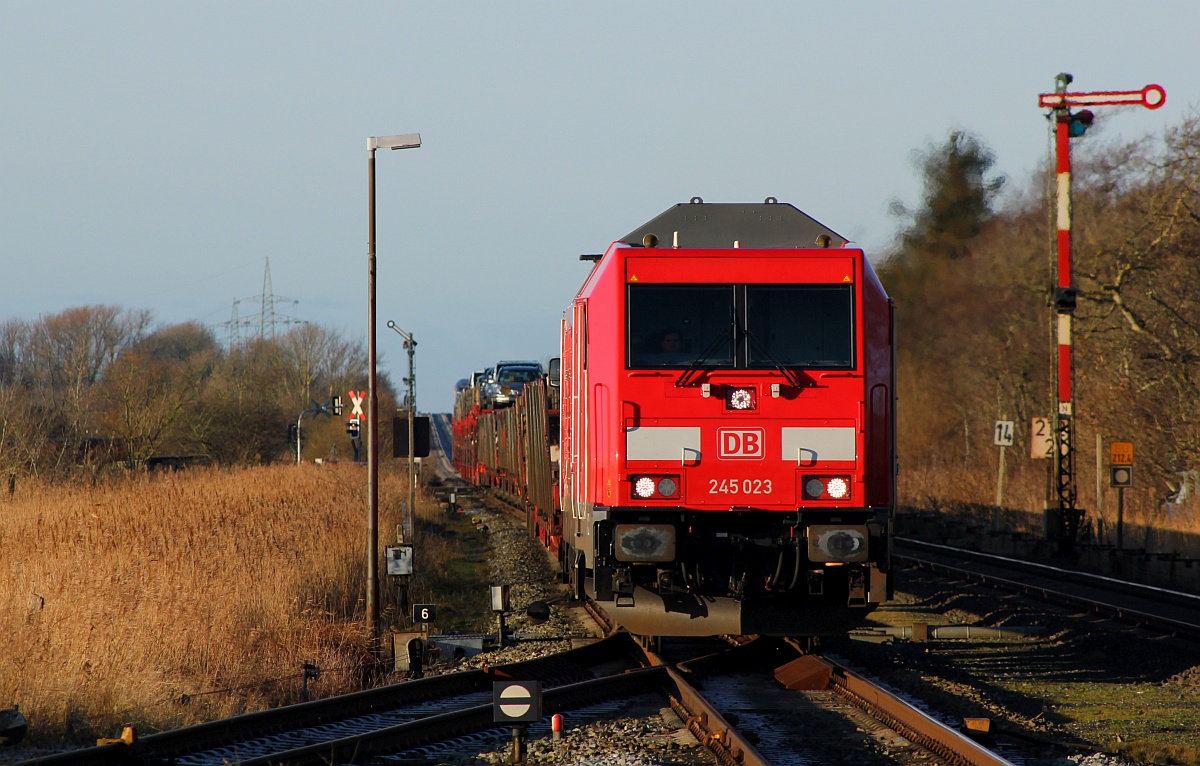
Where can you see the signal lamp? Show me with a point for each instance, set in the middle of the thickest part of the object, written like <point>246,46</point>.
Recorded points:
<point>1079,122</point>
<point>743,398</point>
<point>644,487</point>
<point>826,487</point>
<point>654,487</point>
<point>1120,476</point>
<point>837,488</point>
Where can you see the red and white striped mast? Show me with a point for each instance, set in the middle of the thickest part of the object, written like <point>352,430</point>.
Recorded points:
<point>1068,125</point>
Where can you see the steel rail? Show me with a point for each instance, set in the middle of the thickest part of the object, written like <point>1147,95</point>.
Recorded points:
<point>794,668</point>
<point>914,724</point>
<point>228,731</point>
<point>711,728</point>
<point>164,746</point>
<point>1137,617</point>
<point>1165,594</point>
<point>359,748</point>
<point>701,717</point>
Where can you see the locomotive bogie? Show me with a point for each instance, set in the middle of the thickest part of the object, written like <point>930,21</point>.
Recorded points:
<point>803,573</point>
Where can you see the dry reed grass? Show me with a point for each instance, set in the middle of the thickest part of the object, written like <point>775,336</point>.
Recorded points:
<point>163,600</point>
<point>1148,522</point>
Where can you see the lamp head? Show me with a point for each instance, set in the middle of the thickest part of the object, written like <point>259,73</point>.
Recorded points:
<point>406,141</point>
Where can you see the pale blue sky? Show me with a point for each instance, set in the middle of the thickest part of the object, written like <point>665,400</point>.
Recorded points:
<point>153,155</point>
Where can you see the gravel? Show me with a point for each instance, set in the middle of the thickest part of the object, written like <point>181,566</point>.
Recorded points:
<point>634,732</point>
<point>518,561</point>
<point>637,734</point>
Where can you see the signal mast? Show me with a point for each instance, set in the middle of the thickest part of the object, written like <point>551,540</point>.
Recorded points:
<point>1068,125</point>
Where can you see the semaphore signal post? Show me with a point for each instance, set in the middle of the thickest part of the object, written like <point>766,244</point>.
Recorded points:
<point>1070,124</point>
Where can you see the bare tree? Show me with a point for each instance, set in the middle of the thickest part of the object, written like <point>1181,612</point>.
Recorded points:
<point>318,362</point>
<point>65,354</point>
<point>143,401</point>
<point>1138,267</point>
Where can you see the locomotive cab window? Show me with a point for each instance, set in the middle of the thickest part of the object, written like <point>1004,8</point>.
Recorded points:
<point>669,326</point>
<point>739,326</point>
<point>806,326</point>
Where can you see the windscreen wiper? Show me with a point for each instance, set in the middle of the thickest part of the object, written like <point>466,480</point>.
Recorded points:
<point>791,374</point>
<point>696,366</point>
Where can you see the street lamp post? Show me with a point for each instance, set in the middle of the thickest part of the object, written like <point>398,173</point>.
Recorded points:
<point>410,343</point>
<point>334,405</point>
<point>408,141</point>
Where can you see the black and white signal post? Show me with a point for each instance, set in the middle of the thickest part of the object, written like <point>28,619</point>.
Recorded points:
<point>518,703</point>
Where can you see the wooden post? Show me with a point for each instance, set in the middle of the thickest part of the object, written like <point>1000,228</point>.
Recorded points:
<point>999,493</point>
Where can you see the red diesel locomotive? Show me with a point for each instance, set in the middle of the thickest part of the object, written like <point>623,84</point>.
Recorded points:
<point>727,457</point>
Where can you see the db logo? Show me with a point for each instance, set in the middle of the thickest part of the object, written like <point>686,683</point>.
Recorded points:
<point>744,443</point>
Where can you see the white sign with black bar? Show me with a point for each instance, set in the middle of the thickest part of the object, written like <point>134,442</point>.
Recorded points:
<point>516,701</point>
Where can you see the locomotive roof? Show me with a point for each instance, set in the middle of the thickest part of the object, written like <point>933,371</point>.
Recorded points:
<point>719,224</point>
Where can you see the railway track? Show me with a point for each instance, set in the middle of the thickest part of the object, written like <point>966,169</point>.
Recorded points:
<point>1159,609</point>
<point>761,702</point>
<point>783,705</point>
<point>385,718</point>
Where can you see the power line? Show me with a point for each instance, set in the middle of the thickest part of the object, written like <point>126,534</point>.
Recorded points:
<point>267,317</point>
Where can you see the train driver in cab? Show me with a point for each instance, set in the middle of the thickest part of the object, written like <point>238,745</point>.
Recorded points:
<point>671,342</point>
<point>666,348</point>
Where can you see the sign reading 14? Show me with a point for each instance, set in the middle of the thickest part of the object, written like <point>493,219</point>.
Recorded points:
<point>1003,434</point>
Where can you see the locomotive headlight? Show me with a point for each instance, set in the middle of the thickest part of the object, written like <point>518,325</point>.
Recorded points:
<point>837,488</point>
<point>826,487</point>
<point>644,542</point>
<point>644,487</point>
<point>837,543</point>
<point>654,487</point>
<point>740,398</point>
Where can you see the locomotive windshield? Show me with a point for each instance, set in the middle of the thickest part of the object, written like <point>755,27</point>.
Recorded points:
<point>739,326</point>
<point>671,325</point>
